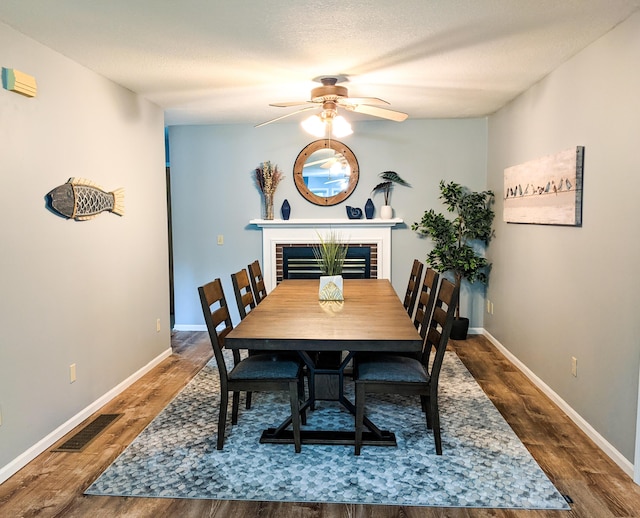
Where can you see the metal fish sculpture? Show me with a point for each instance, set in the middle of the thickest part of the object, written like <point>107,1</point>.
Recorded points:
<point>82,199</point>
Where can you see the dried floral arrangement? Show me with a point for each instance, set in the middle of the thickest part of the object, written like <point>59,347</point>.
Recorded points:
<point>268,177</point>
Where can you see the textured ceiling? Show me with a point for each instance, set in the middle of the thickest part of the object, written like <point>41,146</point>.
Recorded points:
<point>223,62</point>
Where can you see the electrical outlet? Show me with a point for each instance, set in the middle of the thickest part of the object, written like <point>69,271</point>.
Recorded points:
<point>574,366</point>
<point>72,373</point>
<point>158,325</point>
<point>488,306</point>
<point>492,308</point>
<point>220,239</point>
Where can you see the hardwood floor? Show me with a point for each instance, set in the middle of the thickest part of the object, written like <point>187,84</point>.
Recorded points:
<point>52,485</point>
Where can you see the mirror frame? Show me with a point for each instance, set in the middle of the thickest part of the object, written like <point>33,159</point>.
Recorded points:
<point>298,166</point>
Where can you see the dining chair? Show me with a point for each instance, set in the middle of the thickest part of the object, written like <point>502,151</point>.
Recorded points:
<point>395,374</point>
<point>257,281</point>
<point>426,298</point>
<point>413,286</point>
<point>245,302</point>
<point>255,373</point>
<point>243,293</point>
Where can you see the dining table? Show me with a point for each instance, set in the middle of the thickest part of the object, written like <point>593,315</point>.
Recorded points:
<point>370,319</point>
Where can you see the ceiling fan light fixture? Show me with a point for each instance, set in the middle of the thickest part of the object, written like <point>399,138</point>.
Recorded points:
<point>340,127</point>
<point>314,125</point>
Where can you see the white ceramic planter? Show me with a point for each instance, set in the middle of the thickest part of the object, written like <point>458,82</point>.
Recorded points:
<point>386,212</point>
<point>331,288</point>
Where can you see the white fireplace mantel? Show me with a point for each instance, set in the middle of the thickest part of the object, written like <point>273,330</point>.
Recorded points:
<point>292,231</point>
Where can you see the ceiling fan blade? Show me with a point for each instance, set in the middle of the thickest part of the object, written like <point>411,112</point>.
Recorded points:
<point>378,112</point>
<point>288,104</point>
<point>362,100</point>
<point>284,116</point>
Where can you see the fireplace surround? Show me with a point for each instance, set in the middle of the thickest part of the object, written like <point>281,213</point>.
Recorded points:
<point>277,234</point>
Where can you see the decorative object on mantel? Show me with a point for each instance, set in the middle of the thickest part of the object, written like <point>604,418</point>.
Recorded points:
<point>285,210</point>
<point>330,253</point>
<point>326,172</point>
<point>268,177</point>
<point>546,191</point>
<point>354,212</point>
<point>82,199</point>
<point>456,242</point>
<point>389,177</point>
<point>19,82</point>
<point>369,209</point>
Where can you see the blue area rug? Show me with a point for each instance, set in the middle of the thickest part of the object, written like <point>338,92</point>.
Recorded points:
<point>483,464</point>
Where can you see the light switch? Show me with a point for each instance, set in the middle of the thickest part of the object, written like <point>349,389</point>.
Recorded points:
<point>220,239</point>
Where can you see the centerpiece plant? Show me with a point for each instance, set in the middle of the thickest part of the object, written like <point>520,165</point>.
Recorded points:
<point>330,254</point>
<point>459,243</point>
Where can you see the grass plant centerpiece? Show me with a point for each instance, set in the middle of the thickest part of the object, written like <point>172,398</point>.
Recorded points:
<point>330,254</point>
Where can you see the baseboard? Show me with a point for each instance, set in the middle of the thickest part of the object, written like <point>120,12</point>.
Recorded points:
<point>591,432</point>
<point>189,327</point>
<point>22,460</point>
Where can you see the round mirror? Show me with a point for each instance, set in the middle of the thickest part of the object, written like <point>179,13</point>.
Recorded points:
<point>326,172</point>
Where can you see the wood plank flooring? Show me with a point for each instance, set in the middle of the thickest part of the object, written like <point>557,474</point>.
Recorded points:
<point>52,485</point>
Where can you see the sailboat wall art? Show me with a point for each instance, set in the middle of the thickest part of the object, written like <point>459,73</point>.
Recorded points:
<point>545,191</point>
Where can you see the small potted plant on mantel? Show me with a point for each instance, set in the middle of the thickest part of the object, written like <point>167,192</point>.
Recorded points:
<point>330,254</point>
<point>457,242</point>
<point>389,177</point>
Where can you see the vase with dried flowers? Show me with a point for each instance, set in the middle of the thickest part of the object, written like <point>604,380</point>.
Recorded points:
<point>268,177</point>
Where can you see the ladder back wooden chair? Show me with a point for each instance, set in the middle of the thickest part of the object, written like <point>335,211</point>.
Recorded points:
<point>395,374</point>
<point>257,281</point>
<point>413,286</point>
<point>245,302</point>
<point>243,293</point>
<point>259,372</point>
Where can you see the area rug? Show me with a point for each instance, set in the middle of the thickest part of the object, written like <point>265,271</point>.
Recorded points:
<point>483,464</point>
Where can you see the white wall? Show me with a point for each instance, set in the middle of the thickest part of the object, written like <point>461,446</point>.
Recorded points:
<point>213,193</point>
<point>89,292</point>
<point>560,292</point>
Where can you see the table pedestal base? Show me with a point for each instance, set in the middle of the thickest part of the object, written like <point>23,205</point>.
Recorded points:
<point>273,436</point>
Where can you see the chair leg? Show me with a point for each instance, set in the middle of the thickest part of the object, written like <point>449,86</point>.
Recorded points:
<point>435,422</point>
<point>295,415</point>
<point>301,398</point>
<point>426,408</point>
<point>222,418</point>
<point>235,407</point>
<point>248,401</point>
<point>359,416</point>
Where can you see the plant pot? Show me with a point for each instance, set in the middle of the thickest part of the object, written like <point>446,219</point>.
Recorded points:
<point>331,287</point>
<point>386,212</point>
<point>459,329</point>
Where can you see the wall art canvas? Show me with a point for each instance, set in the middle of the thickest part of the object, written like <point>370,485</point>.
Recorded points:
<point>545,191</point>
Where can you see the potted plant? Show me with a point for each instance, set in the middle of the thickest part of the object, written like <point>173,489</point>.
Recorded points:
<point>330,254</point>
<point>458,244</point>
<point>389,177</point>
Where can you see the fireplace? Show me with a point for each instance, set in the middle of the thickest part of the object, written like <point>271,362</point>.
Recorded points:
<point>277,234</point>
<point>297,261</point>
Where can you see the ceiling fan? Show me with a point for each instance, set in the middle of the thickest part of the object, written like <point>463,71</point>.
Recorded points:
<point>330,97</point>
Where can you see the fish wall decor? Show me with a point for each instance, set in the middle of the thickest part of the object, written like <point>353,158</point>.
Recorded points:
<point>82,199</point>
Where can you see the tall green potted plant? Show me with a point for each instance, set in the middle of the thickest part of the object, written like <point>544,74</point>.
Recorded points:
<point>459,243</point>
<point>330,254</point>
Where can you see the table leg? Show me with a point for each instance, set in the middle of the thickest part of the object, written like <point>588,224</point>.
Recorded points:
<point>374,437</point>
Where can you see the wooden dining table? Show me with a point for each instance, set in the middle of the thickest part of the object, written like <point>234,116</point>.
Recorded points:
<point>371,318</point>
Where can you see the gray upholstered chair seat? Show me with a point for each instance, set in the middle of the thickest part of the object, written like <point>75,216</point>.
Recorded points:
<point>265,366</point>
<point>392,368</point>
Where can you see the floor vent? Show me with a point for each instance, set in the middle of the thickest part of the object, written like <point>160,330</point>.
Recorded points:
<point>81,439</point>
